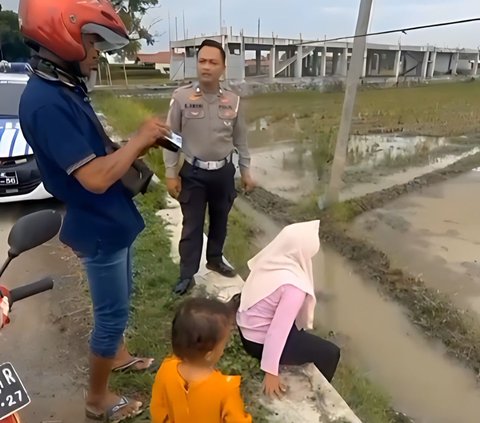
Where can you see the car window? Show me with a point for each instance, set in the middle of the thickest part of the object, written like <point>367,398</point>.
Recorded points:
<point>10,93</point>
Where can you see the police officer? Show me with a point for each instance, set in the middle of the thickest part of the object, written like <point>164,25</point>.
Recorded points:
<point>210,120</point>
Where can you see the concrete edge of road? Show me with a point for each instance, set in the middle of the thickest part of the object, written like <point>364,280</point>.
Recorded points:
<point>310,398</point>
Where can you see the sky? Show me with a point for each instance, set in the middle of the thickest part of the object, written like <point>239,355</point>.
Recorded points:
<point>315,19</point>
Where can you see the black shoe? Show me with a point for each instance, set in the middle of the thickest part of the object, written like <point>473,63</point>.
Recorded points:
<point>222,268</point>
<point>183,286</point>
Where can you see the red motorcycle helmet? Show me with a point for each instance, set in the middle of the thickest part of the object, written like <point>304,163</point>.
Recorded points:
<point>58,26</point>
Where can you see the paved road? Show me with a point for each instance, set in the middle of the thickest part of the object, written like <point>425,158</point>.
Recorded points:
<point>41,350</point>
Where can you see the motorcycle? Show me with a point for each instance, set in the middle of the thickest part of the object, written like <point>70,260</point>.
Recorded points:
<point>29,232</point>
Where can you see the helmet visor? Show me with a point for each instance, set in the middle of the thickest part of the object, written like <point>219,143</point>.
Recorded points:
<point>110,40</point>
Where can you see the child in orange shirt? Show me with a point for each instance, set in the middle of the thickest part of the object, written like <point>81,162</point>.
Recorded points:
<point>187,387</point>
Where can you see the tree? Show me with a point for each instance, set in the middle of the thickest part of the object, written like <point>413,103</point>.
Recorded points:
<point>132,13</point>
<point>12,47</point>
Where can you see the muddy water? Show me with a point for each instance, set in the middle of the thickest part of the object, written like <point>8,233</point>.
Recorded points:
<point>422,381</point>
<point>287,168</point>
<point>435,234</point>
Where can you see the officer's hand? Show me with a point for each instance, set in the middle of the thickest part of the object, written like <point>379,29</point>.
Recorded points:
<point>150,132</point>
<point>174,186</point>
<point>248,183</point>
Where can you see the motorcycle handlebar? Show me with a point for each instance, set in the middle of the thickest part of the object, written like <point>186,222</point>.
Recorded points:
<point>30,289</point>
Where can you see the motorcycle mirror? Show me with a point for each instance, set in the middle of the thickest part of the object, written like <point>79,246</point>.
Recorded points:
<point>33,230</point>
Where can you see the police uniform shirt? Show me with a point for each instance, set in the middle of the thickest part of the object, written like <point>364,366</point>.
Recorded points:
<point>211,126</point>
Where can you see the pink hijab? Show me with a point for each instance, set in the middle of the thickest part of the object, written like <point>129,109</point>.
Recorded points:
<point>286,260</point>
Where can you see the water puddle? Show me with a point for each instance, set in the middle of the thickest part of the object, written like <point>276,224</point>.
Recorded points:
<point>288,168</point>
<point>434,234</point>
<point>421,380</point>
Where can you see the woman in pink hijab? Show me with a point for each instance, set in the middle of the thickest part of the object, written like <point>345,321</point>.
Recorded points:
<point>277,305</point>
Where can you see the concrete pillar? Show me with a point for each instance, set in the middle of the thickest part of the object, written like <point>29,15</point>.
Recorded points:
<point>475,65</point>
<point>398,62</point>
<point>273,62</point>
<point>258,61</point>
<point>242,58</point>
<point>455,60</point>
<point>433,62</point>
<point>344,62</point>
<point>299,62</point>
<point>315,63</point>
<point>323,62</point>
<point>365,63</point>
<point>426,55</point>
<point>335,62</point>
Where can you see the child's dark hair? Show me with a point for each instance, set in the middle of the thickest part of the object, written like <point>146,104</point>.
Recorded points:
<point>215,44</point>
<point>198,326</point>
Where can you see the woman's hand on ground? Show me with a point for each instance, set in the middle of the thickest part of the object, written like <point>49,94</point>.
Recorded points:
<point>272,386</point>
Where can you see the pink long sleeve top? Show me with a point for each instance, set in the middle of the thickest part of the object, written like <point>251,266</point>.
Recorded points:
<point>269,322</point>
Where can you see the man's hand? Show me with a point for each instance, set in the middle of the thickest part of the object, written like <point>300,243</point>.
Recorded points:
<point>272,386</point>
<point>174,186</point>
<point>4,310</point>
<point>248,183</point>
<point>149,133</point>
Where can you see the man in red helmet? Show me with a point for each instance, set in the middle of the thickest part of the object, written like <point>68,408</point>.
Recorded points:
<point>101,220</point>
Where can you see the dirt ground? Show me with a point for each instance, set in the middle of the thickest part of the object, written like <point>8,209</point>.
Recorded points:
<point>47,339</point>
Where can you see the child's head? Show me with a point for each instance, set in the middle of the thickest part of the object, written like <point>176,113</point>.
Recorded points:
<point>200,330</point>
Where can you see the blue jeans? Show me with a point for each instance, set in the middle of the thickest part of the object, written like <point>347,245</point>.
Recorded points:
<point>110,280</point>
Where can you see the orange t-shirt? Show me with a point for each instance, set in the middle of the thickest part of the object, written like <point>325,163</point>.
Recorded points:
<point>216,399</point>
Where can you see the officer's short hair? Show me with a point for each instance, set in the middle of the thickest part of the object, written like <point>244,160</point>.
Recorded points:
<point>198,326</point>
<point>215,44</point>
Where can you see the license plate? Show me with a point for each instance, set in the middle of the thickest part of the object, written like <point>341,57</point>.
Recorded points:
<point>13,395</point>
<point>8,179</point>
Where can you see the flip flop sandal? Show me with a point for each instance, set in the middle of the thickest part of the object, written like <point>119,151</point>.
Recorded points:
<point>109,415</point>
<point>130,366</point>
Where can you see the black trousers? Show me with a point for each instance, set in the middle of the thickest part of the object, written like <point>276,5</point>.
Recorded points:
<point>302,348</point>
<point>215,188</point>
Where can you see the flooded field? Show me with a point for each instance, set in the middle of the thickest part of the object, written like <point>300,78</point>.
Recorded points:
<point>421,380</point>
<point>297,169</point>
<point>434,233</point>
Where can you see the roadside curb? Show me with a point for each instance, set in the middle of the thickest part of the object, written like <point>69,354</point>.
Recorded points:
<point>311,398</point>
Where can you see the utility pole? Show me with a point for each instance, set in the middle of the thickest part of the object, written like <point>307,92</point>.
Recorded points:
<point>353,76</point>
<point>184,30</point>
<point>221,17</point>
<point>176,29</point>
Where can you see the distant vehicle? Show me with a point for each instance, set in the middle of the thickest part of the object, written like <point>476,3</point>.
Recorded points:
<point>19,175</point>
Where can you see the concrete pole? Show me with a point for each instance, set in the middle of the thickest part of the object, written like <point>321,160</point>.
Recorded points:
<point>315,62</point>
<point>344,62</point>
<point>353,77</point>
<point>258,61</point>
<point>475,65</point>
<point>433,62</point>
<point>273,62</point>
<point>323,62</point>
<point>365,64</point>
<point>398,62</point>
<point>299,62</point>
<point>425,64</point>
<point>335,62</point>
<point>456,59</point>
<point>242,55</point>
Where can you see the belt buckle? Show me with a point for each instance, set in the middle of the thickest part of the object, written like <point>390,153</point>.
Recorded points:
<point>210,165</point>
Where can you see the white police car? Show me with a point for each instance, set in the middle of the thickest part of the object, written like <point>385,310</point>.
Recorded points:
<point>19,175</point>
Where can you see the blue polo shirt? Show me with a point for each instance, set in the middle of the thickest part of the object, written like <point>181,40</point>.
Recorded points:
<point>63,139</point>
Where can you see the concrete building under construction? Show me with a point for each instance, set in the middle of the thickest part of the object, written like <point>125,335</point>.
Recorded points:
<point>275,58</point>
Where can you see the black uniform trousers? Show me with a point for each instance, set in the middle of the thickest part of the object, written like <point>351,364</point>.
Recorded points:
<point>215,188</point>
<point>301,348</point>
